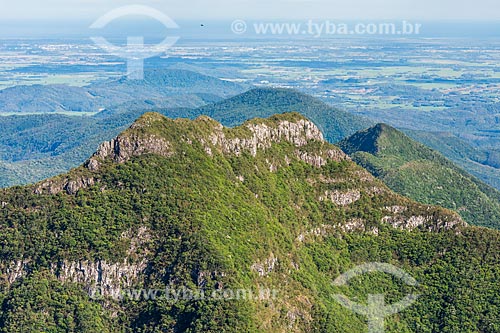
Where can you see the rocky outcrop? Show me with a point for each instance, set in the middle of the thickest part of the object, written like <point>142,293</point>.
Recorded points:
<point>265,267</point>
<point>341,198</point>
<point>68,185</point>
<point>125,147</point>
<point>320,231</point>
<point>396,209</point>
<point>16,270</point>
<point>99,277</point>
<point>430,223</point>
<point>319,160</point>
<point>353,225</point>
<point>262,136</point>
<point>107,279</point>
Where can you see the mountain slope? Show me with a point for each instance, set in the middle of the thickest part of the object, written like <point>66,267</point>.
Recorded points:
<point>39,145</point>
<point>484,165</point>
<point>265,206</point>
<point>422,174</point>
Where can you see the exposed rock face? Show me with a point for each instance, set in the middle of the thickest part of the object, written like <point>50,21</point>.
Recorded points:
<point>265,267</point>
<point>74,185</point>
<point>263,136</point>
<point>321,160</point>
<point>124,147</point>
<point>396,209</point>
<point>396,221</point>
<point>16,270</point>
<point>341,198</point>
<point>320,231</point>
<point>70,186</point>
<point>414,222</point>
<point>109,279</point>
<point>353,225</point>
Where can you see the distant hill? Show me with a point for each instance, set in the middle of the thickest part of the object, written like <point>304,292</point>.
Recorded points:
<point>161,88</point>
<point>422,174</point>
<point>47,98</point>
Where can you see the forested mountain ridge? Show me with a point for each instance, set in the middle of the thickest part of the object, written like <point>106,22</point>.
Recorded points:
<point>264,102</point>
<point>34,147</point>
<point>416,171</point>
<point>39,145</point>
<point>269,204</point>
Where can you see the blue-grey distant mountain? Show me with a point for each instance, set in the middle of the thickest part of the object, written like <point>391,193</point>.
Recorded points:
<point>160,88</point>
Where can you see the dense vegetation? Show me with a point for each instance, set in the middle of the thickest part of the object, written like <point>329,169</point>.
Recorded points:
<point>480,163</point>
<point>213,216</point>
<point>422,174</point>
<point>40,153</point>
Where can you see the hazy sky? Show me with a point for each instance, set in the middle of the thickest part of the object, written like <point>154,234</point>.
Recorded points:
<point>261,9</point>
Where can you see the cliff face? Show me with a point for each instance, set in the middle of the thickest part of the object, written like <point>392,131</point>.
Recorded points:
<point>174,203</point>
<point>98,277</point>
<point>263,136</point>
<point>123,148</point>
<point>258,136</point>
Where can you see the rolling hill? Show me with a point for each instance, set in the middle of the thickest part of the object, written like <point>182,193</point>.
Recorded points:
<point>160,88</point>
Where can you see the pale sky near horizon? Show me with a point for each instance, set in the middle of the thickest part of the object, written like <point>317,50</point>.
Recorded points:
<point>260,9</point>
